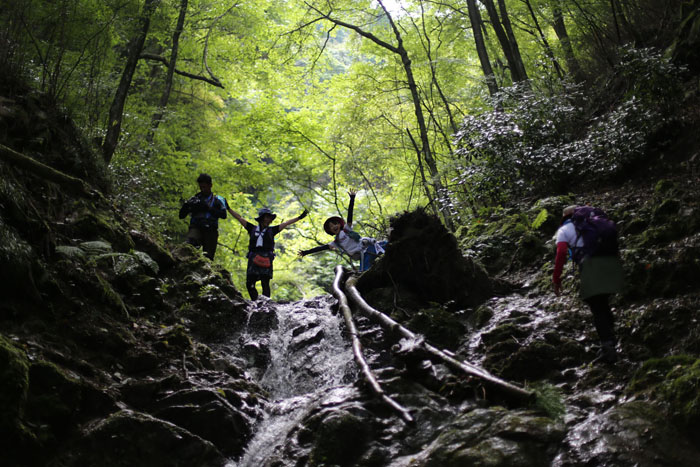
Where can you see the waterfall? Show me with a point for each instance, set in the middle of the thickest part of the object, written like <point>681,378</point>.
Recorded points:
<point>310,359</point>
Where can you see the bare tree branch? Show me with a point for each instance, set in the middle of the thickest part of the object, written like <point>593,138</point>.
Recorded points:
<point>213,81</point>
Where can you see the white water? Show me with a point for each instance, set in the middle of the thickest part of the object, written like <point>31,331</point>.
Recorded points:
<point>304,369</point>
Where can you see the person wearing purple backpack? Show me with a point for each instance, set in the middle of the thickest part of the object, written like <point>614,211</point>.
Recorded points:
<point>590,238</point>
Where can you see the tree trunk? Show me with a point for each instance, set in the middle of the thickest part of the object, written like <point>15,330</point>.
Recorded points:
<point>158,115</point>
<point>563,36</point>
<point>515,68</point>
<point>116,111</point>
<point>69,183</point>
<point>543,38</point>
<point>420,118</point>
<point>482,52</point>
<point>517,57</point>
<point>425,150</point>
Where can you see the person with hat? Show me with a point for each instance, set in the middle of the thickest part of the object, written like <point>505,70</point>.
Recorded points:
<point>205,209</point>
<point>348,241</point>
<point>261,248</point>
<point>601,274</point>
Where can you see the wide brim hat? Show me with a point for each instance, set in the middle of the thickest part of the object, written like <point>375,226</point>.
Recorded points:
<point>263,212</point>
<point>327,227</point>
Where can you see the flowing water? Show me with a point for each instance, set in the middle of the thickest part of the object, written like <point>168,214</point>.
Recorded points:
<point>310,360</point>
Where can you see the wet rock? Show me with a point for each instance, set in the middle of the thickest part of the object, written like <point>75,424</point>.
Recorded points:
<point>492,437</point>
<point>340,438</point>
<point>257,352</point>
<point>631,434</point>
<point>130,438</point>
<point>208,414</point>
<point>262,320</point>
<point>306,339</point>
<point>438,325</point>
<point>675,380</point>
<point>58,400</point>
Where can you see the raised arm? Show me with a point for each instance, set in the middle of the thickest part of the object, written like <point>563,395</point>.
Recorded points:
<point>238,217</point>
<point>314,250</point>
<point>350,207</point>
<point>294,219</point>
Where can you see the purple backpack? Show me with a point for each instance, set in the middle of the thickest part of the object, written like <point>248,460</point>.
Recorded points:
<point>598,232</point>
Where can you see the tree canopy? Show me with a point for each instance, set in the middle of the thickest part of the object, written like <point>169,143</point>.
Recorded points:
<point>453,106</point>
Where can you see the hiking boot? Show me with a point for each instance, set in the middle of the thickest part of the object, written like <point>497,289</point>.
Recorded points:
<point>607,353</point>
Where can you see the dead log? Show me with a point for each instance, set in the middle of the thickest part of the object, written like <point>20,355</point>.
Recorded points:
<point>68,182</point>
<point>357,349</point>
<point>507,389</point>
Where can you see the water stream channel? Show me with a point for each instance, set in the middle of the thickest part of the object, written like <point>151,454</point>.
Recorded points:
<point>309,361</point>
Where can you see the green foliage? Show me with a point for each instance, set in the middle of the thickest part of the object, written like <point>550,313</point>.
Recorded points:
<point>549,399</point>
<point>540,219</point>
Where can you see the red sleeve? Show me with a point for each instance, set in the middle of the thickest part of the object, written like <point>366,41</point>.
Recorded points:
<point>559,261</point>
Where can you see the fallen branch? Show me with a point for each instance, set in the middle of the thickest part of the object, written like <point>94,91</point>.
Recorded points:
<point>357,349</point>
<point>508,389</point>
<point>70,183</point>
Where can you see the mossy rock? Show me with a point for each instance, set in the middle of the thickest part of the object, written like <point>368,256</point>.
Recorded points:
<point>666,210</point>
<point>129,438</point>
<point>503,333</point>
<point>481,316</point>
<point>339,440</point>
<point>92,224</point>
<point>175,338</point>
<point>674,380</point>
<point>18,260</point>
<point>438,326</point>
<point>105,293</point>
<point>529,362</point>
<point>14,382</point>
<point>54,396</point>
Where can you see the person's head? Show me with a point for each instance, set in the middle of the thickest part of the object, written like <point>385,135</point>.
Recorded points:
<point>333,225</point>
<point>265,217</point>
<point>567,212</point>
<point>204,181</point>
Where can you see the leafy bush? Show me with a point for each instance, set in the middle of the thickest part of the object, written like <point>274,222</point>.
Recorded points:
<point>531,143</point>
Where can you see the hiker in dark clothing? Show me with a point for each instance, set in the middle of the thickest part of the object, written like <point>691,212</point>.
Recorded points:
<point>261,248</point>
<point>348,241</point>
<point>601,276</point>
<point>205,209</point>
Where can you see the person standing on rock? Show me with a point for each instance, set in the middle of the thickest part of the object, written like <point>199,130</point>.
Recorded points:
<point>348,241</point>
<point>205,209</point>
<point>261,248</point>
<point>601,272</point>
